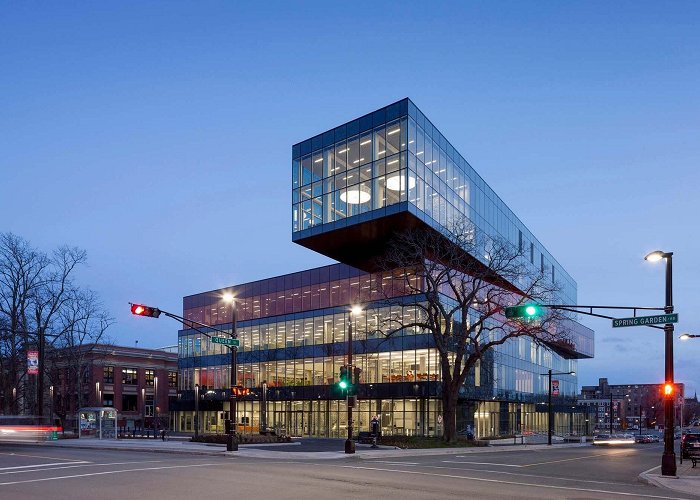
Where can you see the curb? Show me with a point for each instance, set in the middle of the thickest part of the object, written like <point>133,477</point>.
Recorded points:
<point>254,452</point>
<point>135,449</point>
<point>668,484</point>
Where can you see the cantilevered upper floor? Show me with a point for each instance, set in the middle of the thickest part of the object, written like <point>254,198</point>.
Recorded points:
<point>354,185</point>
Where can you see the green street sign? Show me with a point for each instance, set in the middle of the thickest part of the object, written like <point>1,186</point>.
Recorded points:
<point>226,341</point>
<point>660,319</point>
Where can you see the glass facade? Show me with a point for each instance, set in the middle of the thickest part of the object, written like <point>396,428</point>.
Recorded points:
<point>293,328</point>
<point>395,160</point>
<point>298,354</point>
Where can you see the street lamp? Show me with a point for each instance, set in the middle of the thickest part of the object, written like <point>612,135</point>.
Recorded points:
<point>668,459</point>
<point>196,411</point>
<point>232,443</point>
<point>143,410</point>
<point>550,421</point>
<point>155,408</point>
<point>349,443</point>
<point>687,336</point>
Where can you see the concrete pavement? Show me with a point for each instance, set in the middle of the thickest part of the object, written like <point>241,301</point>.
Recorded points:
<point>519,472</point>
<point>686,480</point>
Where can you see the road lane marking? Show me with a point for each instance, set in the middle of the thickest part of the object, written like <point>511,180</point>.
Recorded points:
<point>86,464</point>
<point>502,472</point>
<point>479,463</point>
<point>500,481</point>
<point>394,463</point>
<point>38,456</point>
<point>104,473</point>
<point>42,465</point>
<point>571,459</point>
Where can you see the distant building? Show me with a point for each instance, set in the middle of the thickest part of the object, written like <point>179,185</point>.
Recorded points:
<point>632,404</point>
<point>132,380</point>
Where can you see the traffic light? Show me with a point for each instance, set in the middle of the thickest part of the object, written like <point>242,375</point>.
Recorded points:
<point>141,310</point>
<point>668,390</point>
<point>356,375</point>
<point>344,381</point>
<point>525,311</point>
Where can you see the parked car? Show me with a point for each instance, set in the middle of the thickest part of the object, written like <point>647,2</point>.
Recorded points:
<point>690,442</point>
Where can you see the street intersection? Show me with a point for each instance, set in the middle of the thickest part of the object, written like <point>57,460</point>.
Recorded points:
<point>557,472</point>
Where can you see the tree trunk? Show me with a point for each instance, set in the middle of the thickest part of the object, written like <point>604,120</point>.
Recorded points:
<point>449,414</point>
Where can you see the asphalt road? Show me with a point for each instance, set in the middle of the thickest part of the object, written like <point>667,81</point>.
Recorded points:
<point>32,472</point>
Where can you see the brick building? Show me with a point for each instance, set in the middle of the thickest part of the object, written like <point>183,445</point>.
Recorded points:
<point>633,404</point>
<point>132,380</point>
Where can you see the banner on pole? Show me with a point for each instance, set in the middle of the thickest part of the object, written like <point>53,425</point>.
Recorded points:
<point>555,387</point>
<point>32,362</point>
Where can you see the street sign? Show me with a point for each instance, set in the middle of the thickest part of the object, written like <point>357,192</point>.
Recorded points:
<point>660,319</point>
<point>226,341</point>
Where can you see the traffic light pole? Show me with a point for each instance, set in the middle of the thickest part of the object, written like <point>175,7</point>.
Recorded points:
<point>550,424</point>
<point>154,312</point>
<point>668,459</point>
<point>349,443</point>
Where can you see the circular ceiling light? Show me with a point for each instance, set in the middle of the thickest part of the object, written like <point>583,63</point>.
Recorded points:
<point>355,195</point>
<point>395,182</point>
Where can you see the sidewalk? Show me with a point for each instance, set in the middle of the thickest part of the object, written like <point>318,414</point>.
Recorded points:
<point>260,451</point>
<point>687,479</point>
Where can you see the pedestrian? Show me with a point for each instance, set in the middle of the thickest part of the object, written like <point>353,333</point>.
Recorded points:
<point>162,434</point>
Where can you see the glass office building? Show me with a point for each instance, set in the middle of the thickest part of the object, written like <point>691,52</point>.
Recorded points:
<point>352,187</point>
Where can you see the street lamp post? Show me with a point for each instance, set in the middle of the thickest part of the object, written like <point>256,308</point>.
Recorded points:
<point>51,404</point>
<point>668,459</point>
<point>196,411</point>
<point>688,336</point>
<point>349,443</point>
<point>550,420</point>
<point>143,410</point>
<point>232,443</point>
<point>155,407</point>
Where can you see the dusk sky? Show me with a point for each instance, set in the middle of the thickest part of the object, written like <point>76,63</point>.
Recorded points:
<point>157,136</point>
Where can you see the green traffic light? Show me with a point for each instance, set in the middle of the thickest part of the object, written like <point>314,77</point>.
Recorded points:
<point>531,310</point>
<point>343,384</point>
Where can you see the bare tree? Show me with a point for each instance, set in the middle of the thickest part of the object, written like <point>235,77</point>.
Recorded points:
<point>38,301</point>
<point>461,282</point>
<point>81,325</point>
<point>22,271</point>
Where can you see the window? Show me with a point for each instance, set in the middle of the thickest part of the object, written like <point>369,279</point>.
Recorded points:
<point>129,402</point>
<point>130,376</point>
<point>532,253</point>
<point>108,400</point>
<point>172,379</point>
<point>108,375</point>
<point>520,241</point>
<point>149,406</point>
<point>150,376</point>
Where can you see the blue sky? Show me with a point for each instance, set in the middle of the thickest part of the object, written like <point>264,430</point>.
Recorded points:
<point>158,137</point>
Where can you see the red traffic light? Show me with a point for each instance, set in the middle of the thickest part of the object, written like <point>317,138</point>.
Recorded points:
<point>668,389</point>
<point>141,310</point>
